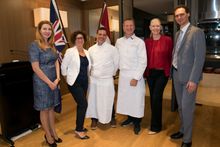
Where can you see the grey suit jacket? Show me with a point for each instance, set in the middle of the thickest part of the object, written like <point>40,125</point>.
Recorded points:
<point>191,55</point>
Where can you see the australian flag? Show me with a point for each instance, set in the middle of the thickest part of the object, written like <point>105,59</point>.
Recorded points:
<point>59,37</point>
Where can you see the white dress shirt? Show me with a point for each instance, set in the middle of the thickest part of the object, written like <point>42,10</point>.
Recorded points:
<point>178,44</point>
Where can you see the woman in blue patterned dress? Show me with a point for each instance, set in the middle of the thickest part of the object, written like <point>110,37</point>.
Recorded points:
<point>46,77</point>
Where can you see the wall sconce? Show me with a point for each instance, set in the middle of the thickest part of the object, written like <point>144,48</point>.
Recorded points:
<point>114,25</point>
<point>44,14</point>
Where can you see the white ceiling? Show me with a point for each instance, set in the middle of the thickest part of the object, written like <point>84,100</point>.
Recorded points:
<point>156,7</point>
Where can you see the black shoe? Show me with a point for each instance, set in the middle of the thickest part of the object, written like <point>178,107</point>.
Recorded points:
<point>84,137</point>
<point>85,130</point>
<point>81,137</point>
<point>137,129</point>
<point>186,144</point>
<point>50,144</point>
<point>126,122</point>
<point>59,140</point>
<point>177,135</point>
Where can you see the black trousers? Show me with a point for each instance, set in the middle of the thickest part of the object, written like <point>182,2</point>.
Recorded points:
<point>113,112</point>
<point>78,92</point>
<point>156,82</point>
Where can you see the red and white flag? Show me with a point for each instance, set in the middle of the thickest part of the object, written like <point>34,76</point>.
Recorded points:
<point>104,21</point>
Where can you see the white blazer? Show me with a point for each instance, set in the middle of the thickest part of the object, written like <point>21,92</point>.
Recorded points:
<point>70,66</point>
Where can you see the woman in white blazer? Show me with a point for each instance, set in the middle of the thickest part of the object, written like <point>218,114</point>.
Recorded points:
<point>75,68</point>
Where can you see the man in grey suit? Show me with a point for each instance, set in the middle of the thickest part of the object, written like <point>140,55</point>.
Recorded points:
<point>188,60</point>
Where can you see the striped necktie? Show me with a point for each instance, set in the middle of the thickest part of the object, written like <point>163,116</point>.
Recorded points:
<point>177,46</point>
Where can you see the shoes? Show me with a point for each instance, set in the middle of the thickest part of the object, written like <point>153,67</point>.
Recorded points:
<point>80,136</point>
<point>137,129</point>
<point>113,123</point>
<point>186,144</point>
<point>50,144</point>
<point>85,130</point>
<point>126,122</point>
<point>94,124</point>
<point>177,135</point>
<point>59,140</point>
<point>152,132</point>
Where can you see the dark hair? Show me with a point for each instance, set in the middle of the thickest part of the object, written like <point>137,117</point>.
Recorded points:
<point>74,34</point>
<point>130,19</point>
<point>101,28</point>
<point>182,6</point>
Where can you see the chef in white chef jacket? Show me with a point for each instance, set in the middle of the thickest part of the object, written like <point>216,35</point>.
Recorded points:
<point>131,86</point>
<point>101,93</point>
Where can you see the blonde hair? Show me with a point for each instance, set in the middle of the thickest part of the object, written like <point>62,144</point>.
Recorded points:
<point>161,28</point>
<point>39,38</point>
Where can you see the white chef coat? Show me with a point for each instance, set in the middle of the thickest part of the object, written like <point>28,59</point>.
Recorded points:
<point>133,61</point>
<point>104,60</point>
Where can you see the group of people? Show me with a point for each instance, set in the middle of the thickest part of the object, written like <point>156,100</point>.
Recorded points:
<point>90,76</point>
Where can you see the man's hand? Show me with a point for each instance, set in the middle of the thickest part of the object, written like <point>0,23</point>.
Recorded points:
<point>191,86</point>
<point>133,82</point>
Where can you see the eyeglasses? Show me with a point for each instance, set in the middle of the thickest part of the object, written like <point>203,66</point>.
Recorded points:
<point>78,38</point>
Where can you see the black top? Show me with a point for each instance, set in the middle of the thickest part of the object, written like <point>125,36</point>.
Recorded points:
<point>83,73</point>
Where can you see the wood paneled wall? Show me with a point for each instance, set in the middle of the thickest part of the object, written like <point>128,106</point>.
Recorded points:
<point>17,24</point>
<point>95,4</point>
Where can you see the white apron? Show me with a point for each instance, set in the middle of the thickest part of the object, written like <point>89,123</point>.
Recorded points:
<point>131,100</point>
<point>100,99</point>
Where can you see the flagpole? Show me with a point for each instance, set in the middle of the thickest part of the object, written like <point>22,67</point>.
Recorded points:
<point>64,32</point>
<point>104,2</point>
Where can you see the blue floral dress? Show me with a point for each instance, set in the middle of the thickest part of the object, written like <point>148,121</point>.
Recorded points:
<point>44,97</point>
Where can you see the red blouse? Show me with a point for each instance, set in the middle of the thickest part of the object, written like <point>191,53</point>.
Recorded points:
<point>159,54</point>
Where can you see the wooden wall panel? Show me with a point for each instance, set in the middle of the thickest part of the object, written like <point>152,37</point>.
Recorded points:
<point>17,29</point>
<point>91,4</point>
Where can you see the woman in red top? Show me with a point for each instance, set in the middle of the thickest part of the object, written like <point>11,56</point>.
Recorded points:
<point>159,53</point>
